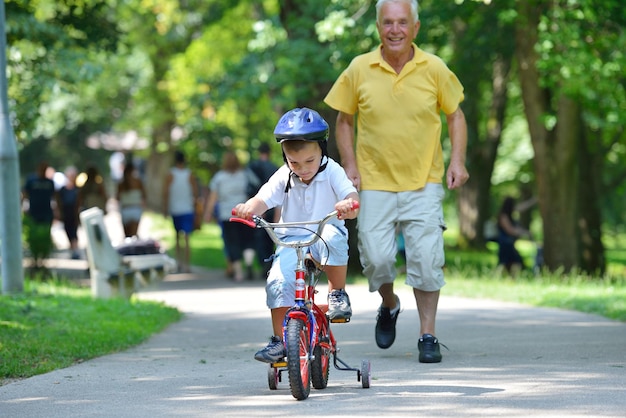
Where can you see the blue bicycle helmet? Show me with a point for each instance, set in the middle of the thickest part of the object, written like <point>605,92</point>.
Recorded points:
<point>301,124</point>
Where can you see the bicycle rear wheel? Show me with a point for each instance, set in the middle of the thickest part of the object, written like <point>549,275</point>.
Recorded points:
<point>298,356</point>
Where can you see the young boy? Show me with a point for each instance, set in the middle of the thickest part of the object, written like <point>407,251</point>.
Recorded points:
<point>308,187</point>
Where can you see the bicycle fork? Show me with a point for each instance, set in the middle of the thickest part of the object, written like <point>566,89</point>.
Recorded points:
<point>303,308</point>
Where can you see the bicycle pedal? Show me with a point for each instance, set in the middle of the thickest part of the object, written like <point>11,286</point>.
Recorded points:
<point>339,320</point>
<point>279,364</point>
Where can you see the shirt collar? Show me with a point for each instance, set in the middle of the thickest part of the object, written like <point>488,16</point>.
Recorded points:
<point>377,57</point>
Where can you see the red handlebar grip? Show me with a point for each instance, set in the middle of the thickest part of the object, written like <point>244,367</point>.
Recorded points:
<point>251,224</point>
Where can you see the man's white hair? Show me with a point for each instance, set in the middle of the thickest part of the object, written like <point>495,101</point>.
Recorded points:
<point>412,3</point>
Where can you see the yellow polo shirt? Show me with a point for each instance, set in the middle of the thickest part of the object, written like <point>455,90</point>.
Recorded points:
<point>398,145</point>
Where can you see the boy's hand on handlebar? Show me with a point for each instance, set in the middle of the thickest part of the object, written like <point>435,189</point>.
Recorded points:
<point>253,206</point>
<point>347,208</point>
<point>243,210</point>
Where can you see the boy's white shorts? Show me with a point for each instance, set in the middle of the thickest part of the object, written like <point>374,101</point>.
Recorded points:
<point>331,250</point>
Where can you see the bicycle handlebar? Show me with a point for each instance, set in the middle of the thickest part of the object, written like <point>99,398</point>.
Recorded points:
<point>259,222</point>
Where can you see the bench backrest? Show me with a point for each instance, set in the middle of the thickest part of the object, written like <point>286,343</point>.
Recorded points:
<point>100,252</point>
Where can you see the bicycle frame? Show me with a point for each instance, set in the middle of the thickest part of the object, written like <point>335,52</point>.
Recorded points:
<point>304,308</point>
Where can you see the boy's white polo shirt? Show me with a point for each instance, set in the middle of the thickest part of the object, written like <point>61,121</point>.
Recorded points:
<point>306,202</point>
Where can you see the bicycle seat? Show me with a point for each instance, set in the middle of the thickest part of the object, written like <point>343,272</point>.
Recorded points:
<point>312,266</point>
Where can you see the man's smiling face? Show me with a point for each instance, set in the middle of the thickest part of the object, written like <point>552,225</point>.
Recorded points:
<point>396,28</point>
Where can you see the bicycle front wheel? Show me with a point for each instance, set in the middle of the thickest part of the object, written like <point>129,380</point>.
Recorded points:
<point>298,358</point>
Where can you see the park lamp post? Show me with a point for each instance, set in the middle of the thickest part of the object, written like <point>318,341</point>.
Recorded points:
<point>10,214</point>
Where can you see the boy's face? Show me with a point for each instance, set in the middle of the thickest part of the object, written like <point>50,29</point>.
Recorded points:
<point>305,161</point>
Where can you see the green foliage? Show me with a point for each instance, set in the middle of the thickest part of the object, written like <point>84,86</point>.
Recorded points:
<point>218,73</point>
<point>513,166</point>
<point>580,54</point>
<point>37,238</point>
<point>49,44</point>
<point>54,325</point>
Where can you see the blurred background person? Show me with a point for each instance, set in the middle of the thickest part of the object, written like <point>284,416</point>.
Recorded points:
<point>67,204</point>
<point>92,192</point>
<point>229,187</point>
<point>180,194</point>
<point>38,195</point>
<point>131,196</point>
<point>263,168</point>
<point>510,231</point>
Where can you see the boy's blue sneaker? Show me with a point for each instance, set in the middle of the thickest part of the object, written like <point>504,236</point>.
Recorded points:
<point>273,352</point>
<point>339,308</point>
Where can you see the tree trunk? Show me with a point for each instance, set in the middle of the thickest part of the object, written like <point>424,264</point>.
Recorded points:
<point>592,258</point>
<point>560,177</point>
<point>159,162</point>
<point>157,167</point>
<point>555,146</point>
<point>473,198</point>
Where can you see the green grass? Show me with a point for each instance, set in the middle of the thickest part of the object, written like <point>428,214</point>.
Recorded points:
<point>55,324</point>
<point>207,245</point>
<point>602,297</point>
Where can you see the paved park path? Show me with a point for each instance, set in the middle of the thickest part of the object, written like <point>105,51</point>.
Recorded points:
<point>504,360</point>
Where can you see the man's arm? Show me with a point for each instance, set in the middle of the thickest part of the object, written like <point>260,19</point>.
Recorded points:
<point>457,174</point>
<point>344,135</point>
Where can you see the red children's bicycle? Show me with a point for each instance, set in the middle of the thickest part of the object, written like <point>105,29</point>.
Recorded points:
<point>309,341</point>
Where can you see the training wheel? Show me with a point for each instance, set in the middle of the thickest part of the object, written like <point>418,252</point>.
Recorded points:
<point>273,377</point>
<point>365,373</point>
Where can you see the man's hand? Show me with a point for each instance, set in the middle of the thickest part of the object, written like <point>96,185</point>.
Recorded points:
<point>353,174</point>
<point>457,176</point>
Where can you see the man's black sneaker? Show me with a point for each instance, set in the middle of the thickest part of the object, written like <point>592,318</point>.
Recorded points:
<point>386,325</point>
<point>428,347</point>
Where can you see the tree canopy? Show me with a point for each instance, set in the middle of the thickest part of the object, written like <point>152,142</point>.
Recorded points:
<point>544,83</point>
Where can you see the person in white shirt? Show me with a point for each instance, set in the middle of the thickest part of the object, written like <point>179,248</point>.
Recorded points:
<point>308,187</point>
<point>228,187</point>
<point>179,196</point>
